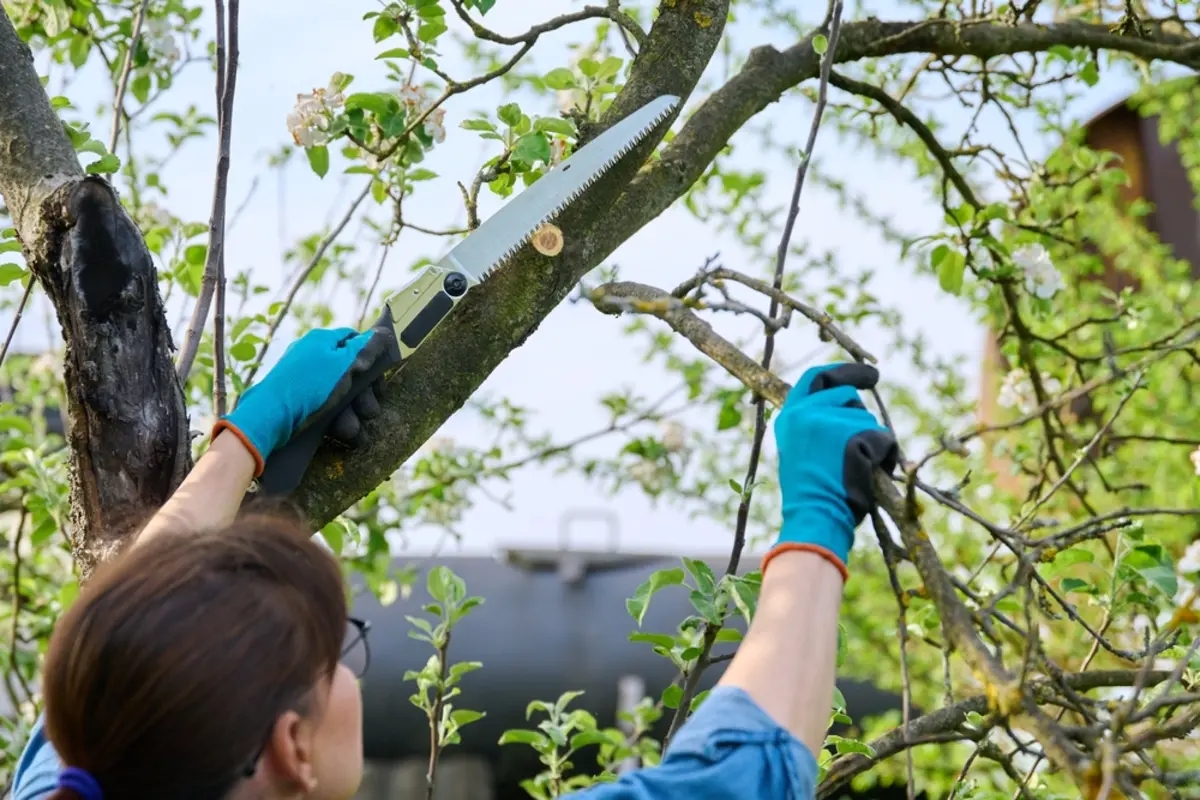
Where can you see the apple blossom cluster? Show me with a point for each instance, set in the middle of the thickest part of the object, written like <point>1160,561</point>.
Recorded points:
<point>160,40</point>
<point>416,99</point>
<point>1017,390</point>
<point>310,120</point>
<point>1042,278</point>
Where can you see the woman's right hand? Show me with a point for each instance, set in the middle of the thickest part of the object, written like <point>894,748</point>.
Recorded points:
<point>314,374</point>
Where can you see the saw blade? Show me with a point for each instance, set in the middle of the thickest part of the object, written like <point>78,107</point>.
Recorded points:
<point>506,231</point>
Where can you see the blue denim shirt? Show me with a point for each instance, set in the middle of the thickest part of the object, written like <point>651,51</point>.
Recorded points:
<point>729,750</point>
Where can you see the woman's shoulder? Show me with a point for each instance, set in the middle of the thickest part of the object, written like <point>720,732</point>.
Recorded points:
<point>38,768</point>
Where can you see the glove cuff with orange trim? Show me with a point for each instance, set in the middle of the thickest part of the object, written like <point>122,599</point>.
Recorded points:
<point>829,444</point>
<point>224,424</point>
<point>316,372</point>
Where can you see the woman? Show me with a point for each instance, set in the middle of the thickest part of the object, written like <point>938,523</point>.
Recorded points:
<point>215,659</point>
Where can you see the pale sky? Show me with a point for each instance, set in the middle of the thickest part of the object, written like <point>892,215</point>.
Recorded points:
<point>577,354</point>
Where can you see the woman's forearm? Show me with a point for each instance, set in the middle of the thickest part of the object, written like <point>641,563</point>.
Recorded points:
<point>788,659</point>
<point>211,493</point>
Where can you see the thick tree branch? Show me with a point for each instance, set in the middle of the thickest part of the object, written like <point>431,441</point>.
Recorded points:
<point>36,156</point>
<point>501,313</point>
<point>127,424</point>
<point>948,719</point>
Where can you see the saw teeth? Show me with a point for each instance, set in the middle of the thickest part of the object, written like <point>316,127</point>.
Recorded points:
<point>512,251</point>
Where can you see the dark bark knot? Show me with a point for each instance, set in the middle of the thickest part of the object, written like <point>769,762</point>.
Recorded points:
<point>103,252</point>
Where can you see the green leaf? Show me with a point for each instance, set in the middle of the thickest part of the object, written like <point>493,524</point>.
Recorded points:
<point>375,102</point>
<point>431,30</point>
<point>477,125</point>
<point>608,68</point>
<point>333,533</point>
<point>561,78</point>
<point>10,273</point>
<point>106,164</point>
<point>672,695</point>
<point>195,254</point>
<point>744,598</point>
<point>385,26</point>
<point>660,639</point>
<point>379,191</point>
<point>465,716</point>
<point>420,175</point>
<point>951,266</point>
<point>244,351</point>
<point>640,601</point>
<point>1090,74</point>
<point>585,738</point>
<point>140,87</point>
<point>820,44</point>
<point>510,114</point>
<point>737,487</point>
<point>531,148</point>
<point>395,52</point>
<point>318,159</point>
<point>844,745</point>
<point>1076,585</point>
<point>81,46</point>
<point>1152,563</point>
<point>729,417</point>
<point>702,573</point>
<point>531,738</point>
<point>554,125</point>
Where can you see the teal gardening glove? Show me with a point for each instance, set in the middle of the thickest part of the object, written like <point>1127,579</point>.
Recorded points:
<point>315,375</point>
<point>828,446</point>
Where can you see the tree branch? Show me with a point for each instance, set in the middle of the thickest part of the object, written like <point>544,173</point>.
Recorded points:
<point>38,157</point>
<point>1006,695</point>
<point>501,313</point>
<point>214,260</point>
<point>127,424</point>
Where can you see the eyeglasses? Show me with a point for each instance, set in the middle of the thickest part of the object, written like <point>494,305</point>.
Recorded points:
<point>356,651</point>
<point>356,655</point>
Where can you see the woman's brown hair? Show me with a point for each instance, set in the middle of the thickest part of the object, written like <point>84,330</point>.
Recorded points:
<point>166,677</point>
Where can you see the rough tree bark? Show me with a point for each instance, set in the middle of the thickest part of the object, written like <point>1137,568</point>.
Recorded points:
<point>126,421</point>
<point>41,180</point>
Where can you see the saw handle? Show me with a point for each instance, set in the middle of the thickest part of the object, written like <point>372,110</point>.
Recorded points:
<point>286,466</point>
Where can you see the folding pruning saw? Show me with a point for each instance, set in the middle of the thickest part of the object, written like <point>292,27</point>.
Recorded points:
<point>415,310</point>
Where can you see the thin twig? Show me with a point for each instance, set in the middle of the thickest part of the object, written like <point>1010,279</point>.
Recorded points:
<point>12,329</point>
<point>215,258</point>
<point>298,283</point>
<point>119,99</point>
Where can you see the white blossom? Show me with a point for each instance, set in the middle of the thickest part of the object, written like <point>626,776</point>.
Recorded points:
<point>1042,278</point>
<point>674,437</point>
<point>648,474</point>
<point>416,99</point>
<point>1190,562</point>
<point>1017,390</point>
<point>309,121</point>
<point>160,39</point>
<point>435,125</point>
<point>1195,456</point>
